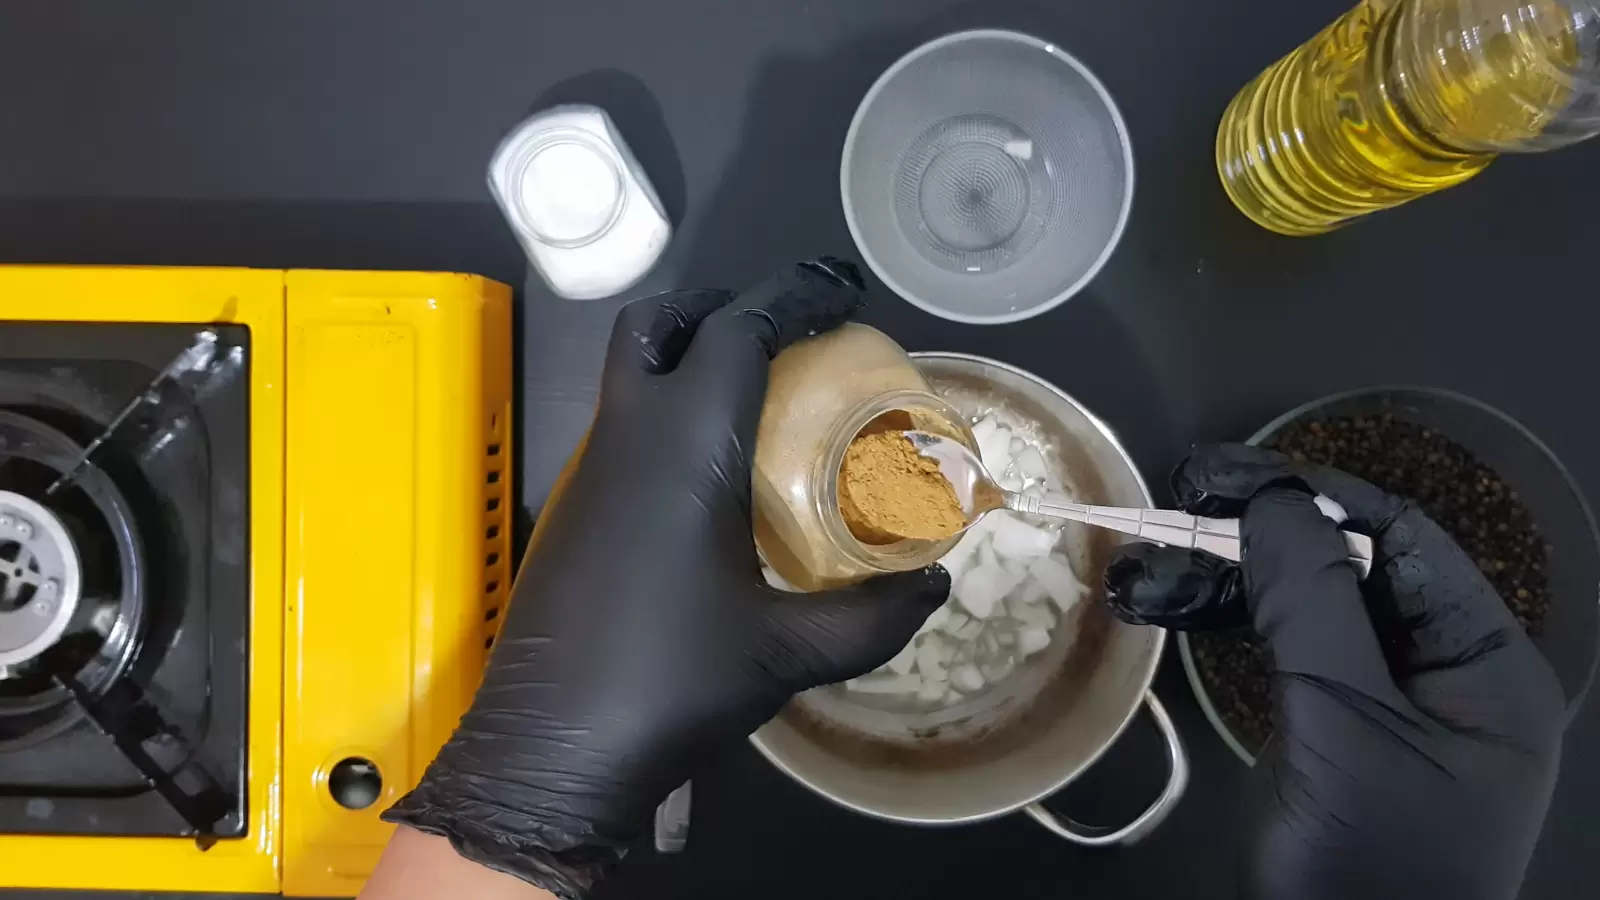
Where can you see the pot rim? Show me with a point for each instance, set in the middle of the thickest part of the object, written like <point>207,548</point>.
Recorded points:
<point>1146,680</point>
<point>1281,421</point>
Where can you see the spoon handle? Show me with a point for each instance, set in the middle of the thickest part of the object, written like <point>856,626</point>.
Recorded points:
<point>1219,537</point>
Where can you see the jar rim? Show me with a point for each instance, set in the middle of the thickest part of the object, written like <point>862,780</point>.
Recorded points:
<point>901,555</point>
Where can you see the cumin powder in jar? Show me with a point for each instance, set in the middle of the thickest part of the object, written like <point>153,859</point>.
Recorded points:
<point>888,491</point>
<point>822,394</point>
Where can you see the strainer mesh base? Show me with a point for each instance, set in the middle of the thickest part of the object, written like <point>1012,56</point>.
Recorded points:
<point>973,193</point>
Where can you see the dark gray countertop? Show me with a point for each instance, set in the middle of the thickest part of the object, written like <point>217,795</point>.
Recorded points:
<point>345,134</point>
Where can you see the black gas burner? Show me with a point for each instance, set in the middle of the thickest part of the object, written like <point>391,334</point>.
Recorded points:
<point>70,621</point>
<point>75,583</point>
<point>124,585</point>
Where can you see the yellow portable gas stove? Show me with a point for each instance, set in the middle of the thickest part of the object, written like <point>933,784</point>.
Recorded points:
<point>254,542</point>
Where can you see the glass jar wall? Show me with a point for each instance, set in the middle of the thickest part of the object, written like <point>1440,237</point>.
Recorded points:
<point>821,393</point>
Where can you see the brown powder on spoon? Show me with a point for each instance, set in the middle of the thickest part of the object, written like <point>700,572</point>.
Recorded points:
<point>890,492</point>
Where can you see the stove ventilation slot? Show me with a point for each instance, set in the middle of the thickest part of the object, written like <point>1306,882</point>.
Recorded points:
<point>496,536</point>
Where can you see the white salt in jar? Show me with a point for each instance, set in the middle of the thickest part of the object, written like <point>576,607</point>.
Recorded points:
<point>578,201</point>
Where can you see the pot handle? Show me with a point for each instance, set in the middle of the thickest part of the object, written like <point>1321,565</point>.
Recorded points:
<point>1100,836</point>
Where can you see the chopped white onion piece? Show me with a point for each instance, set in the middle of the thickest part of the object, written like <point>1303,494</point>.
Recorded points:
<point>966,678</point>
<point>1017,539</point>
<point>986,554</point>
<point>1037,616</point>
<point>933,656</point>
<point>1031,640</point>
<point>972,629</point>
<point>903,661</point>
<point>996,669</point>
<point>1059,581</point>
<point>1030,463</point>
<point>961,555</point>
<point>1030,592</point>
<point>1017,567</point>
<point>885,684</point>
<point>983,587</point>
<point>933,690</point>
<point>954,622</point>
<point>984,429</point>
<point>994,448</point>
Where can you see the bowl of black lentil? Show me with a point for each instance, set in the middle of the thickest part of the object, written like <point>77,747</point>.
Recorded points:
<point>1486,479</point>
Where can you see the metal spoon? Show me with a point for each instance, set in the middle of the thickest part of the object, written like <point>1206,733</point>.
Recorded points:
<point>979,494</point>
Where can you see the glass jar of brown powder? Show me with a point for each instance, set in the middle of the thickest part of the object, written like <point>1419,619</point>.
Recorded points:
<point>822,393</point>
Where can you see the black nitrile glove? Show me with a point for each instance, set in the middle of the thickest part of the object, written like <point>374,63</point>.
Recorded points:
<point>1419,730</point>
<point>641,636</point>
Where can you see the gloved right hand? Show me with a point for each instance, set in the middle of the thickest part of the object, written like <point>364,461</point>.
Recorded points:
<point>641,638</point>
<point>1418,728</point>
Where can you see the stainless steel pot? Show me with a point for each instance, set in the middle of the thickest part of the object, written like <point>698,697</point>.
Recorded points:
<point>1009,749</point>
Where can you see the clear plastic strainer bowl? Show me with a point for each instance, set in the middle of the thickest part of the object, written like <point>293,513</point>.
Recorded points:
<point>987,176</point>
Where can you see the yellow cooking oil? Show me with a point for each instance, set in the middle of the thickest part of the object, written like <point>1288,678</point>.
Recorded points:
<point>1394,100</point>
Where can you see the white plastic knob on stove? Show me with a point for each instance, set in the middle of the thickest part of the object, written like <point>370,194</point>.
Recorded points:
<point>583,209</point>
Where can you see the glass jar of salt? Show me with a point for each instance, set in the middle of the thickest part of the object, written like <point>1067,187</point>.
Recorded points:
<point>824,393</point>
<point>579,202</point>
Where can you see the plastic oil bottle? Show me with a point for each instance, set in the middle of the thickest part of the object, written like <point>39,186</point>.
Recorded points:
<point>1400,98</point>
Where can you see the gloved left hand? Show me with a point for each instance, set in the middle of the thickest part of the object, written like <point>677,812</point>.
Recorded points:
<point>641,635</point>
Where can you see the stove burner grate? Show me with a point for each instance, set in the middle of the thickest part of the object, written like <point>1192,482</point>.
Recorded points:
<point>73,573</point>
<point>72,586</point>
